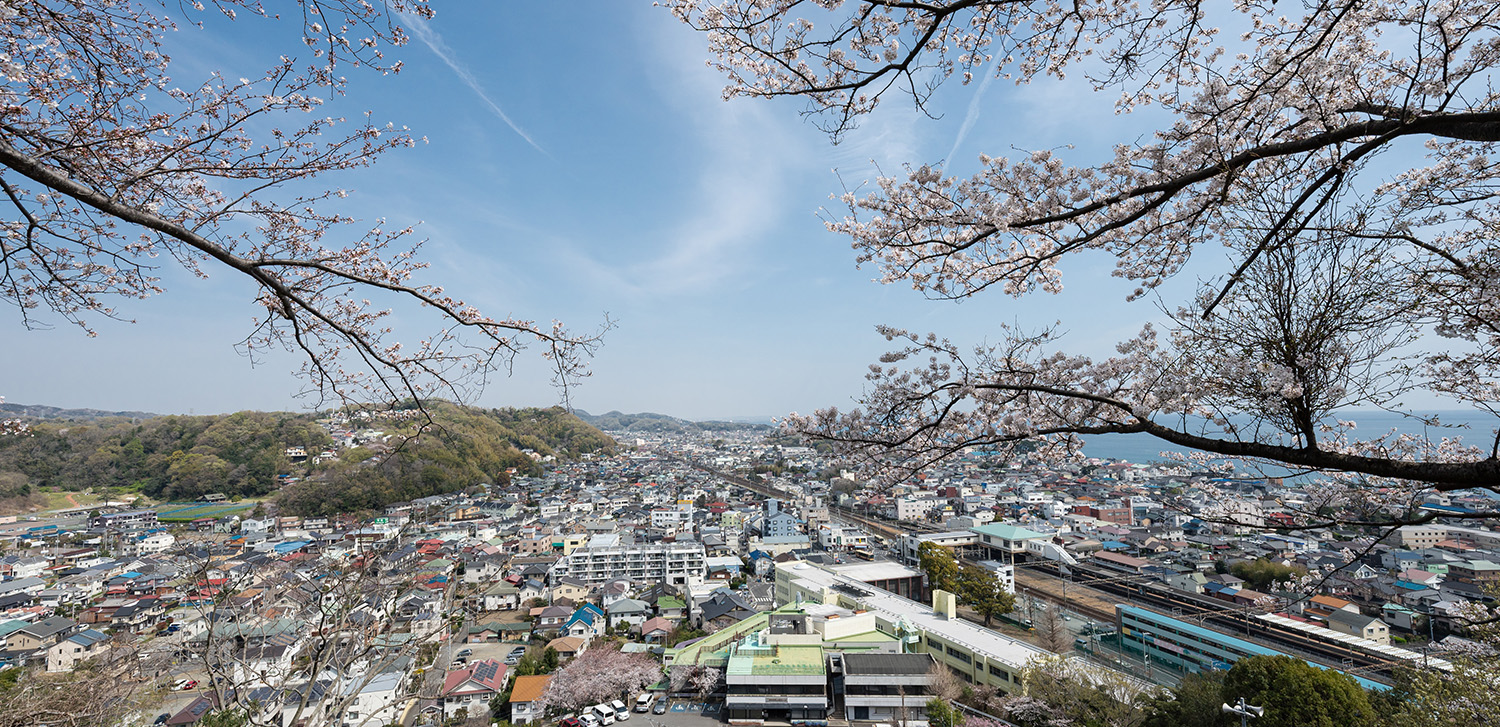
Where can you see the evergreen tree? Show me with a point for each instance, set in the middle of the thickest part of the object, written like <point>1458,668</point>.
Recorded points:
<point>984,593</point>
<point>940,567</point>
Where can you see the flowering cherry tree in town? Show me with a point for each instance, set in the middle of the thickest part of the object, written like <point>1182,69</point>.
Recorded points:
<point>600,674</point>
<point>111,168</point>
<point>1330,164</point>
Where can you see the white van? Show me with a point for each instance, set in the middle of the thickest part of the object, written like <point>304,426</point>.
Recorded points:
<point>643,703</point>
<point>605,714</point>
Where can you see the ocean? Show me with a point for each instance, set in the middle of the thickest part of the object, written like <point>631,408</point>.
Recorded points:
<point>1145,448</point>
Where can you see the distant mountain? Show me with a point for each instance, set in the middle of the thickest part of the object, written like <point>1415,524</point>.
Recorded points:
<point>650,423</point>
<point>38,411</point>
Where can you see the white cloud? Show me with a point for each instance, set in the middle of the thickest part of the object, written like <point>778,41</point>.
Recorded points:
<point>745,157</point>
<point>434,42</point>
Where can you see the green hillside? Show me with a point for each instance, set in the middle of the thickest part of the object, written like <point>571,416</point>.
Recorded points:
<point>464,447</point>
<point>182,458</point>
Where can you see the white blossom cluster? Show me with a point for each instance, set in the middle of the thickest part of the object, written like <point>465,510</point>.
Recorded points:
<point>109,167</point>
<point>1337,157</point>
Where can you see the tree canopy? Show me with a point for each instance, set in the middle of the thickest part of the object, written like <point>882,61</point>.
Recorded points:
<point>1297,694</point>
<point>983,592</point>
<point>940,566</point>
<point>241,454</point>
<point>1326,166</point>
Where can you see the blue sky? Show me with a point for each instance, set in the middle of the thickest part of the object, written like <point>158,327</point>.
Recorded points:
<point>581,162</point>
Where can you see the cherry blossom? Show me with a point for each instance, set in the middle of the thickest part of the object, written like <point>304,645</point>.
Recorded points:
<point>1337,156</point>
<point>599,674</point>
<point>111,168</point>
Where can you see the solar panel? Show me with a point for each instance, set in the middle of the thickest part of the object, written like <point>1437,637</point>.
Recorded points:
<point>485,671</point>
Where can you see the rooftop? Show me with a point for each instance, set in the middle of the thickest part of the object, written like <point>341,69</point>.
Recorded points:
<point>877,571</point>
<point>1007,532</point>
<point>890,607</point>
<point>887,663</point>
<point>777,661</point>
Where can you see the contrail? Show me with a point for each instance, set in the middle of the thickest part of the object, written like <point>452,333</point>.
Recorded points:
<point>973,114</point>
<point>434,42</point>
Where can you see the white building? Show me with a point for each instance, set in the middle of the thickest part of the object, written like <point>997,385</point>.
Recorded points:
<point>66,654</point>
<point>911,508</point>
<point>380,701</point>
<point>155,543</point>
<point>671,563</point>
<point>833,536</point>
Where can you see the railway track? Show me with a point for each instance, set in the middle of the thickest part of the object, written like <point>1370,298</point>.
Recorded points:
<point>1089,588</point>
<point>1238,622</point>
<point>1093,593</point>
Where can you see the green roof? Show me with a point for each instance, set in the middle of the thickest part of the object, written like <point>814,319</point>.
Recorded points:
<point>713,649</point>
<point>778,661</point>
<point>669,602</point>
<point>867,639</point>
<point>1007,532</point>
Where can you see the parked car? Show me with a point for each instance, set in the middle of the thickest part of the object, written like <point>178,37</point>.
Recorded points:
<point>588,719</point>
<point>162,718</point>
<point>192,683</point>
<point>643,703</point>
<point>605,713</point>
<point>660,708</point>
<point>570,722</point>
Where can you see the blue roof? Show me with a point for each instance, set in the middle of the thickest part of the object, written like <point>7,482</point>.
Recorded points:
<point>1185,628</point>
<point>1410,586</point>
<point>1448,508</point>
<point>1115,545</point>
<point>284,548</point>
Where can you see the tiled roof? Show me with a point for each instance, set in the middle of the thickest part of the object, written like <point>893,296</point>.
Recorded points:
<point>529,688</point>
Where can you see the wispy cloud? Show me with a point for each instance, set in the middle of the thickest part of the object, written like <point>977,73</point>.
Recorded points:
<point>434,43</point>
<point>972,116</point>
<point>728,203</point>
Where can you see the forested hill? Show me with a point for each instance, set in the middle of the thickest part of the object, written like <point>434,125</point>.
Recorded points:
<point>466,447</point>
<point>647,422</point>
<point>185,457</point>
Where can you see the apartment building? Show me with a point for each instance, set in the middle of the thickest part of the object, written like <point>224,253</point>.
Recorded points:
<point>670,563</point>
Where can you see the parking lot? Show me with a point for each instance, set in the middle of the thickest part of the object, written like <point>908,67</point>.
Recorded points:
<point>480,652</point>
<point>683,714</point>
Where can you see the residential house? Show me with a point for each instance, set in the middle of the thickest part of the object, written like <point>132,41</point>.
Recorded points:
<point>379,701</point>
<point>573,589</point>
<point>627,610</point>
<point>723,608</point>
<point>524,696</point>
<point>585,623</point>
<point>568,647</point>
<point>656,630</point>
<point>66,654</point>
<point>471,689</point>
<point>1358,624</point>
<point>42,634</point>
<point>503,596</point>
<point>551,618</point>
